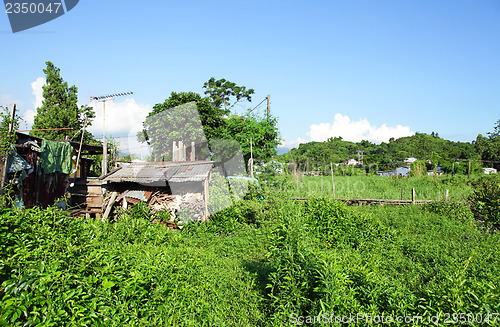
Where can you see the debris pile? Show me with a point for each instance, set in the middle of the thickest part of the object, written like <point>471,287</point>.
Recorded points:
<point>182,208</point>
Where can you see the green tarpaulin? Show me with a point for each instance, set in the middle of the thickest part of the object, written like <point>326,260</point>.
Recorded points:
<point>56,157</point>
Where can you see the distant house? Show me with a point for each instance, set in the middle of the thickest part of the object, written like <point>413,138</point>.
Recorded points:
<point>488,171</point>
<point>403,171</point>
<point>351,162</point>
<point>410,160</point>
<point>439,171</point>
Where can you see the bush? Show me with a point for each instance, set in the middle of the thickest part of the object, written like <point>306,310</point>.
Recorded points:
<point>454,211</point>
<point>485,202</point>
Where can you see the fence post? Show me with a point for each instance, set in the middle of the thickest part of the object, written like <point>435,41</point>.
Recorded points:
<point>446,197</point>
<point>402,192</point>
<point>439,196</point>
<point>413,195</point>
<point>333,183</point>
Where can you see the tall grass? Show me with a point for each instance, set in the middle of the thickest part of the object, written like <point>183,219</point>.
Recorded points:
<point>376,187</point>
<point>263,262</point>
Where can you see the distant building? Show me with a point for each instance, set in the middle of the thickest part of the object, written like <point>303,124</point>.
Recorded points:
<point>488,171</point>
<point>439,171</point>
<point>351,162</point>
<point>410,160</point>
<point>403,171</point>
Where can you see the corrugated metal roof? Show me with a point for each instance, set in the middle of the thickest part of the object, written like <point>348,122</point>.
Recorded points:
<point>175,172</point>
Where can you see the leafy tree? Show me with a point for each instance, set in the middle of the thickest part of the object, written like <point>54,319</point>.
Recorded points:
<point>263,133</point>
<point>492,151</point>
<point>221,92</point>
<point>59,108</point>
<point>173,120</point>
<point>6,138</point>
<point>162,128</point>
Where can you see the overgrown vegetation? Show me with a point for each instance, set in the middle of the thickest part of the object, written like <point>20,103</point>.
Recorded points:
<point>263,262</point>
<point>485,202</point>
<point>7,123</point>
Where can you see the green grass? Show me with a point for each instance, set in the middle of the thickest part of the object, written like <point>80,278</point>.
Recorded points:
<point>258,263</point>
<point>376,187</point>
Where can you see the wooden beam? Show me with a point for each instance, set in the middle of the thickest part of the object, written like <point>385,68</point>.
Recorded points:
<point>110,205</point>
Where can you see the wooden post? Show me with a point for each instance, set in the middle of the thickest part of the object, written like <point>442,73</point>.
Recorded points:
<point>110,205</point>
<point>413,195</point>
<point>333,183</point>
<point>402,192</point>
<point>453,169</point>
<point>439,196</point>
<point>79,152</point>
<point>446,196</point>
<point>468,172</point>
<point>205,190</point>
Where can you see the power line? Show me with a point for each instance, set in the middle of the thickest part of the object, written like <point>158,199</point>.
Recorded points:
<point>265,99</point>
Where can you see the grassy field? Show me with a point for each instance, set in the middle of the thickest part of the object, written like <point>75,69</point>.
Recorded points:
<point>260,263</point>
<point>376,187</point>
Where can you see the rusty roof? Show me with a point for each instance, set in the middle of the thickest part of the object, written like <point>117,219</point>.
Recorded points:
<point>150,172</point>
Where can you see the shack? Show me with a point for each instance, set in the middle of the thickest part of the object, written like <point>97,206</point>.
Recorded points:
<point>44,171</point>
<point>178,187</point>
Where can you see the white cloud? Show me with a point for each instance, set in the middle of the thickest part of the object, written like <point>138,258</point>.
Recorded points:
<point>29,118</point>
<point>37,91</point>
<point>354,131</point>
<point>123,121</point>
<point>294,143</point>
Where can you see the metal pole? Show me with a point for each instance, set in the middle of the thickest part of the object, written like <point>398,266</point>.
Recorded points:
<point>104,166</point>
<point>268,106</point>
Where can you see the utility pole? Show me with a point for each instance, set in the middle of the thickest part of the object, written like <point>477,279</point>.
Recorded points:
<point>268,107</point>
<point>360,157</point>
<point>103,99</point>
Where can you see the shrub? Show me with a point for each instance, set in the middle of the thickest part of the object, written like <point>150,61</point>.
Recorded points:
<point>418,168</point>
<point>485,202</point>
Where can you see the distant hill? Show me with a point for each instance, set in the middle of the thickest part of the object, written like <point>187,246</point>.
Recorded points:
<point>421,146</point>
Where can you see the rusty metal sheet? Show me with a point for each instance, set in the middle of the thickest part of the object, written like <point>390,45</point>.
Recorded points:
<point>171,172</point>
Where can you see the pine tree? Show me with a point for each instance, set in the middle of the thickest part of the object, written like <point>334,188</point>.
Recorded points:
<point>59,108</point>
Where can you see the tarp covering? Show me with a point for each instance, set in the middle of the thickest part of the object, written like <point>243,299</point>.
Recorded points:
<point>56,157</point>
<point>15,162</point>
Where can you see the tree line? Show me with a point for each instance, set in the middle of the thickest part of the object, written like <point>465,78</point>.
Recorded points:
<point>427,147</point>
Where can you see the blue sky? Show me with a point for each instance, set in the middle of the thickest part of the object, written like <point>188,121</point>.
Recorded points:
<point>356,69</point>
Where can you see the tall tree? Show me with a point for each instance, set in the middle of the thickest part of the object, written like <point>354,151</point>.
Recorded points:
<point>172,121</point>
<point>263,133</point>
<point>492,151</point>
<point>226,94</point>
<point>176,120</point>
<point>59,108</point>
